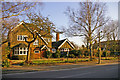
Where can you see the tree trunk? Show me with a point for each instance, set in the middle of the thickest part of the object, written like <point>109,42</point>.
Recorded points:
<point>99,60</point>
<point>28,54</point>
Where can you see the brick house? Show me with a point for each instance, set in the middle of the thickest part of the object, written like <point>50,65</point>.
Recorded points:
<point>112,46</point>
<point>42,43</point>
<point>19,46</point>
<point>62,45</point>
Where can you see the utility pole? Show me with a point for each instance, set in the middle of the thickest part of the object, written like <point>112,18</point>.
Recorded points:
<point>99,49</point>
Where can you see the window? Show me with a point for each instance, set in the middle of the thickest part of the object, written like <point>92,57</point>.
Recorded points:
<point>20,51</point>
<point>21,37</point>
<point>36,42</point>
<point>53,50</point>
<point>16,51</point>
<point>36,51</point>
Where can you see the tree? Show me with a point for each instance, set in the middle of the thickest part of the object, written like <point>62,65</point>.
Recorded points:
<point>111,30</point>
<point>86,20</point>
<point>43,24</point>
<point>111,34</point>
<point>11,11</point>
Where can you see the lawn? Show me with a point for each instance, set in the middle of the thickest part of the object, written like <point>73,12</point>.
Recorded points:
<point>58,60</point>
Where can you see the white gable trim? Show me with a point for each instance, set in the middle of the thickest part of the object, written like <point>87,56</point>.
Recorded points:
<point>17,25</point>
<point>46,47</point>
<point>43,39</point>
<point>64,43</point>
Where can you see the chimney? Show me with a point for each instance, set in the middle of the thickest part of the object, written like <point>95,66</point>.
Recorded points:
<point>57,36</point>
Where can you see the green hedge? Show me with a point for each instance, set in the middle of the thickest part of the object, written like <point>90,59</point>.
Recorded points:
<point>19,57</point>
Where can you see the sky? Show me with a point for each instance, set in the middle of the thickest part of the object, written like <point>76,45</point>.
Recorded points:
<point>55,12</point>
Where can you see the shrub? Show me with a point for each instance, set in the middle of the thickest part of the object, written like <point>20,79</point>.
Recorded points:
<point>57,54</point>
<point>72,56</point>
<point>19,57</point>
<point>75,52</point>
<point>5,60</point>
<point>64,54</point>
<point>6,63</point>
<point>47,54</point>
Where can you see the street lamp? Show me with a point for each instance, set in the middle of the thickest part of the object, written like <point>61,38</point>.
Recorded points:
<point>67,55</point>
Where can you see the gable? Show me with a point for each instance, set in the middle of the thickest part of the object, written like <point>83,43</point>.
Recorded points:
<point>20,29</point>
<point>66,45</point>
<point>57,44</point>
<point>62,43</point>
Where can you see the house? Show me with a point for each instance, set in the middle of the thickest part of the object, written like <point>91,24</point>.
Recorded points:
<point>43,42</point>
<point>19,46</point>
<point>62,45</point>
<point>111,45</point>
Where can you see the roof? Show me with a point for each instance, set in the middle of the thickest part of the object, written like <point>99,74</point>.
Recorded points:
<point>58,44</point>
<point>42,47</point>
<point>20,45</point>
<point>29,27</point>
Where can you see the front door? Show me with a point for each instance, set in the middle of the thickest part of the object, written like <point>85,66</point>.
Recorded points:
<point>42,52</point>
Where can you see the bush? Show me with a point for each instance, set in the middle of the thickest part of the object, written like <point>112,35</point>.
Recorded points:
<point>64,54</point>
<point>75,52</point>
<point>57,54</point>
<point>19,57</point>
<point>47,54</point>
<point>6,63</point>
<point>72,56</point>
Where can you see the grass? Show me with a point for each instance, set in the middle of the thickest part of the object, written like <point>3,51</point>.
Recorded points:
<point>56,61</point>
<point>109,58</point>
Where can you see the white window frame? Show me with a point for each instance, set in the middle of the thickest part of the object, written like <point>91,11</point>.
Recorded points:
<point>36,42</point>
<point>19,50</point>
<point>36,50</point>
<point>18,36</point>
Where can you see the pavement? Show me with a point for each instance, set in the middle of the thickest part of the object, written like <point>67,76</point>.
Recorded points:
<point>98,71</point>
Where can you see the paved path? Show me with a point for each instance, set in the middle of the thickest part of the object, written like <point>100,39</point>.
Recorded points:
<point>99,71</point>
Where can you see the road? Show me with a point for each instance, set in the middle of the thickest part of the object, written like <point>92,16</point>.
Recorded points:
<point>99,71</point>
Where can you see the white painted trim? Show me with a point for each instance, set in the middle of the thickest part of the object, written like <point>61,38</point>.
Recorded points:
<point>43,39</point>
<point>46,47</point>
<point>21,50</point>
<point>17,25</point>
<point>37,42</point>
<point>22,37</point>
<point>64,43</point>
<point>71,44</point>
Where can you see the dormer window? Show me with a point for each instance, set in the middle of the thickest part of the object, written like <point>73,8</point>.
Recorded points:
<point>21,37</point>
<point>36,42</point>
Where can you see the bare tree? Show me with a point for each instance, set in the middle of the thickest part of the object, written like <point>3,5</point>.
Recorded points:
<point>111,30</point>
<point>111,34</point>
<point>86,20</point>
<point>43,24</point>
<point>11,11</point>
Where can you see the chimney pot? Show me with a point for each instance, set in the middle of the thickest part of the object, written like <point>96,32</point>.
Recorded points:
<point>57,36</point>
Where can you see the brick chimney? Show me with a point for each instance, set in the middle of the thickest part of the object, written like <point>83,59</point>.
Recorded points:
<point>57,36</point>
